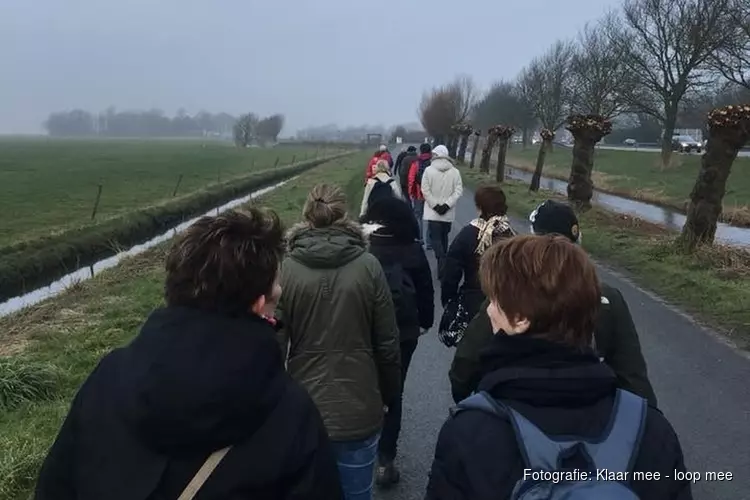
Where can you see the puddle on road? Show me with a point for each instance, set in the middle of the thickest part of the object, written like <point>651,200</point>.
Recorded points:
<point>17,303</point>
<point>732,235</point>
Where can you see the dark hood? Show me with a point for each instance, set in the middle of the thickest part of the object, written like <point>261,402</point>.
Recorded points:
<point>538,372</point>
<point>328,247</point>
<point>194,380</point>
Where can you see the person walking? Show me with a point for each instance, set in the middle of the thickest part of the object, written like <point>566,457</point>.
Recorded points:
<point>441,187</point>
<point>381,154</point>
<point>199,400</point>
<point>393,235</point>
<point>382,184</point>
<point>339,332</point>
<point>401,171</point>
<point>416,173</point>
<point>615,335</point>
<point>546,402</point>
<point>460,282</point>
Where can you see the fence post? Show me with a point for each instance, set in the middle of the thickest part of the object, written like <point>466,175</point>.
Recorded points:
<point>177,186</point>
<point>277,162</point>
<point>96,202</point>
<point>294,158</point>
<point>218,174</point>
<point>252,164</point>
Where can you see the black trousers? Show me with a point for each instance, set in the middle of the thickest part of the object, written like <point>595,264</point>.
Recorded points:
<point>437,232</point>
<point>392,420</point>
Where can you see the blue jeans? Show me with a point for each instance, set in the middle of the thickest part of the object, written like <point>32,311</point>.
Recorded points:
<point>418,208</point>
<point>356,461</point>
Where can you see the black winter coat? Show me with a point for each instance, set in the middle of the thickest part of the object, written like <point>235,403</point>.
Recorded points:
<point>477,456</point>
<point>191,383</point>
<point>461,271</point>
<point>412,258</point>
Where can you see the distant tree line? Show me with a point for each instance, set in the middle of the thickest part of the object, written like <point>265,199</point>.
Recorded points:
<point>155,123</point>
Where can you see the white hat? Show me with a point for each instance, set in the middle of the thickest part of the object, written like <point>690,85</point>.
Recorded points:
<point>383,147</point>
<point>440,152</point>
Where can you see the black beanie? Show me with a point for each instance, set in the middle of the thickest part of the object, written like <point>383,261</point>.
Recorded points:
<point>552,217</point>
<point>425,148</point>
<point>411,149</point>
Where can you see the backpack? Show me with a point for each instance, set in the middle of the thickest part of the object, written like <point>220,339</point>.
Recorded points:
<point>614,452</point>
<point>403,293</point>
<point>423,164</point>
<point>380,189</point>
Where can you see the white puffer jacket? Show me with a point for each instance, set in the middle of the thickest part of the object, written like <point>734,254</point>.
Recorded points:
<point>441,184</point>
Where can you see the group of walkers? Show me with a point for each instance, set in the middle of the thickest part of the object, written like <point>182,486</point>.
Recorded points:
<point>275,370</point>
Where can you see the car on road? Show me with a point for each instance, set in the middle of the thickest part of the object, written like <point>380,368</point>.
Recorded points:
<point>685,144</point>
<point>629,142</point>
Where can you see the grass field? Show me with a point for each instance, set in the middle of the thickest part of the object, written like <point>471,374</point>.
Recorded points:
<point>714,283</point>
<point>61,340</point>
<point>638,175</point>
<point>49,185</point>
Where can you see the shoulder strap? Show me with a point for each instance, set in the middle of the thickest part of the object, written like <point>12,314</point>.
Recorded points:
<point>203,474</point>
<point>613,451</point>
<point>483,402</point>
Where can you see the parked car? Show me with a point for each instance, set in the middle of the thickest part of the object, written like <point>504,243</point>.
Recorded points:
<point>629,142</point>
<point>685,144</point>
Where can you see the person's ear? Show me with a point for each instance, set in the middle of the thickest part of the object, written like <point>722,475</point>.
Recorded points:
<point>521,325</point>
<point>258,307</point>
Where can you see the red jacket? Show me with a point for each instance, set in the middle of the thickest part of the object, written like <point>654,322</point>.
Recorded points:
<point>415,189</point>
<point>380,155</point>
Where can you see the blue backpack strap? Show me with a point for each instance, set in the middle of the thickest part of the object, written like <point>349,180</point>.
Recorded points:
<point>483,402</point>
<point>623,432</point>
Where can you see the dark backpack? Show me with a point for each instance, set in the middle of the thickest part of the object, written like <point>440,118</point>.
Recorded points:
<point>610,457</point>
<point>423,164</point>
<point>403,293</point>
<point>380,189</point>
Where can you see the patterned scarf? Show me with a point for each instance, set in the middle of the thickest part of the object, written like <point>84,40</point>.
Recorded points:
<point>491,229</point>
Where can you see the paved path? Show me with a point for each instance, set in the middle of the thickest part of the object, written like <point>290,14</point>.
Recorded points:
<point>702,385</point>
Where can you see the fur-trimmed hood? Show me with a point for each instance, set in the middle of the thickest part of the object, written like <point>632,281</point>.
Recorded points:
<point>326,247</point>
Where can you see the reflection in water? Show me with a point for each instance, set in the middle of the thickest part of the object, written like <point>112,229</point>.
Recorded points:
<point>84,273</point>
<point>725,233</point>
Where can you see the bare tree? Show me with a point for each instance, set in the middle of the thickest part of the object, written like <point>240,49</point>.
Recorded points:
<point>545,86</point>
<point>732,60</point>
<point>443,107</point>
<point>503,103</point>
<point>270,127</point>
<point>667,45</point>
<point>600,81</point>
<point>244,129</point>
<point>729,130</point>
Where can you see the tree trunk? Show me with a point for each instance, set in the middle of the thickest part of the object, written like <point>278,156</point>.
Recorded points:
<point>484,164</point>
<point>452,144</point>
<point>706,198</point>
<point>474,151</point>
<point>502,151</point>
<point>537,177</point>
<point>525,139</point>
<point>462,148</point>
<point>580,185</point>
<point>439,139</point>
<point>666,138</point>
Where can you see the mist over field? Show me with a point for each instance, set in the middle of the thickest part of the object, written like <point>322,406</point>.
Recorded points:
<point>332,61</point>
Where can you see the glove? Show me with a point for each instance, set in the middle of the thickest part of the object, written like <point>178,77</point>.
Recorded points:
<point>441,209</point>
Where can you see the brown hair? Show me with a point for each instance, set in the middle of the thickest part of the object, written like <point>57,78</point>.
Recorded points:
<point>490,201</point>
<point>325,205</point>
<point>224,263</point>
<point>548,280</point>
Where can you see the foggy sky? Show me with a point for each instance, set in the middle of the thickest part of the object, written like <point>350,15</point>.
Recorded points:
<point>316,61</point>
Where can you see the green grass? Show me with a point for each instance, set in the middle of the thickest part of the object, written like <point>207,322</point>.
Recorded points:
<point>638,175</point>
<point>71,332</point>
<point>713,283</point>
<point>50,185</point>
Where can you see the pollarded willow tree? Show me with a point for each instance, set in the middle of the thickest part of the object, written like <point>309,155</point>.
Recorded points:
<point>453,140</point>
<point>504,133</point>
<point>463,130</point>
<point>545,145</point>
<point>489,145</point>
<point>477,135</point>
<point>728,131</point>
<point>587,130</point>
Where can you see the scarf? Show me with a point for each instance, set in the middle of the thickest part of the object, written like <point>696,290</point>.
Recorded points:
<point>489,230</point>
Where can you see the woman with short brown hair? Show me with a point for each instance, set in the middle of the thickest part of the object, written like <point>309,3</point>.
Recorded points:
<point>541,376</point>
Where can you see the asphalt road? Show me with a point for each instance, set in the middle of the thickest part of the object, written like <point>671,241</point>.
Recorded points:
<point>701,382</point>
<point>652,149</point>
